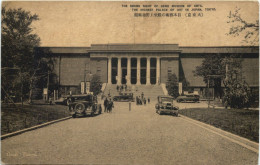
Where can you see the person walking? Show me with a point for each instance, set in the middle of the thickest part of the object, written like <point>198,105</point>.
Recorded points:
<point>105,105</point>
<point>144,101</point>
<point>70,103</point>
<point>148,100</point>
<point>110,106</point>
<point>142,95</point>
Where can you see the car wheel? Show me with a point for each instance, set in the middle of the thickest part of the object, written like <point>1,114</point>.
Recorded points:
<point>74,116</point>
<point>79,108</point>
<point>115,99</point>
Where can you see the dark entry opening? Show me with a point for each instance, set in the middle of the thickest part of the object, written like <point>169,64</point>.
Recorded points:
<point>114,70</point>
<point>153,71</point>
<point>143,70</point>
<point>133,70</point>
<point>124,70</point>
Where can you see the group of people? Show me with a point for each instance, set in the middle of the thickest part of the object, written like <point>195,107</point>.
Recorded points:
<point>108,105</point>
<point>141,100</point>
<point>120,88</point>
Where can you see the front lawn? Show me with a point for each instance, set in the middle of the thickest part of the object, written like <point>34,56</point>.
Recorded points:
<point>13,118</point>
<point>238,121</point>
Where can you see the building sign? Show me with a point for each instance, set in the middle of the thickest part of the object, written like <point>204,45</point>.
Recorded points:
<point>82,85</point>
<point>180,88</point>
<point>45,91</point>
<point>87,87</point>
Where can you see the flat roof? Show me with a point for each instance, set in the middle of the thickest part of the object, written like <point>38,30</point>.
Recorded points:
<point>153,48</point>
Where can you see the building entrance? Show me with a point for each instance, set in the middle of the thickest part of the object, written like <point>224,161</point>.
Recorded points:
<point>133,70</point>
<point>143,70</point>
<point>114,70</point>
<point>153,71</point>
<point>124,70</point>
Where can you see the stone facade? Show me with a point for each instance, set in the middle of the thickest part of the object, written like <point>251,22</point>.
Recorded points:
<point>146,64</point>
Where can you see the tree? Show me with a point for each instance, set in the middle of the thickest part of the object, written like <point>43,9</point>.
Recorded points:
<point>19,53</point>
<point>95,84</point>
<point>212,65</point>
<point>241,26</point>
<point>172,85</point>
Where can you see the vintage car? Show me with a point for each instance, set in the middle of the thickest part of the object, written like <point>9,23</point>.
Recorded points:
<point>124,97</point>
<point>62,101</point>
<point>83,105</point>
<point>165,106</point>
<point>188,98</point>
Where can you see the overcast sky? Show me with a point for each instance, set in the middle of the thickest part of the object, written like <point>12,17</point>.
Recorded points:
<point>85,23</point>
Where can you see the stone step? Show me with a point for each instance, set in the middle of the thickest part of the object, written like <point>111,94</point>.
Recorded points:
<point>151,91</point>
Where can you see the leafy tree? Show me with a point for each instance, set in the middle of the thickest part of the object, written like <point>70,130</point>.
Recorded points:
<point>212,65</point>
<point>95,84</point>
<point>172,85</point>
<point>19,55</point>
<point>237,93</point>
<point>241,27</point>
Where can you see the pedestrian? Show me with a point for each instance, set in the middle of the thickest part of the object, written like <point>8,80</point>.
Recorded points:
<point>142,95</point>
<point>144,101</point>
<point>110,106</point>
<point>70,103</point>
<point>148,100</point>
<point>105,105</point>
<point>117,88</point>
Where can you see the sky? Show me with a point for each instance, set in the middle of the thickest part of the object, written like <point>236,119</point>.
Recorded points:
<point>80,24</point>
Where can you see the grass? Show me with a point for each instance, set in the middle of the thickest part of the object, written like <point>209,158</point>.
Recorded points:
<point>242,122</point>
<point>13,118</point>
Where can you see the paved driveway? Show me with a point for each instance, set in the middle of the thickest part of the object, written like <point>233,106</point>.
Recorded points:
<point>139,136</point>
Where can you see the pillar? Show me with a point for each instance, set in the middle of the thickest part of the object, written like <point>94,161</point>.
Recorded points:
<point>128,71</point>
<point>148,71</point>
<point>138,82</point>
<point>119,70</point>
<point>158,70</point>
<point>109,70</point>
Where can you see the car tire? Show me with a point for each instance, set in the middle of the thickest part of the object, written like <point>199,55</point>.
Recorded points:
<point>74,116</point>
<point>80,108</point>
<point>115,99</point>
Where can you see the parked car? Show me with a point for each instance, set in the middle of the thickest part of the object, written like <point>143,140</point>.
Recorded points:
<point>186,98</point>
<point>83,105</point>
<point>124,97</point>
<point>62,101</point>
<point>165,105</point>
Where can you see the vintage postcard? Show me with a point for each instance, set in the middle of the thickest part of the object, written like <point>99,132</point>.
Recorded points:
<point>130,82</point>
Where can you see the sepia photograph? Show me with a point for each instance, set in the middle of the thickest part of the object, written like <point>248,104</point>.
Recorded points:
<point>130,82</point>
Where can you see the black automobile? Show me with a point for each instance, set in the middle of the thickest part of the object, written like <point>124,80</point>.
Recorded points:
<point>188,98</point>
<point>83,105</point>
<point>124,97</point>
<point>165,106</point>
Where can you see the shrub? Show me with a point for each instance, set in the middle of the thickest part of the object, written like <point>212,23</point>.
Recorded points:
<point>172,85</point>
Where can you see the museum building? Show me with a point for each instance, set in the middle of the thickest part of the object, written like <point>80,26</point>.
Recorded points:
<point>143,64</point>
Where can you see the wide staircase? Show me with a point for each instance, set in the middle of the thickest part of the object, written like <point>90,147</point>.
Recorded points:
<point>151,91</point>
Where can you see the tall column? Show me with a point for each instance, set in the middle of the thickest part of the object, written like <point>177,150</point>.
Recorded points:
<point>128,71</point>
<point>148,82</point>
<point>158,70</point>
<point>109,70</point>
<point>138,82</point>
<point>119,75</point>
